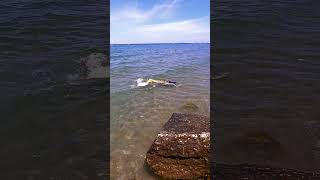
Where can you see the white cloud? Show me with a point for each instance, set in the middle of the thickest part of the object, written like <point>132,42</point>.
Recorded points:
<point>133,25</point>
<point>133,14</point>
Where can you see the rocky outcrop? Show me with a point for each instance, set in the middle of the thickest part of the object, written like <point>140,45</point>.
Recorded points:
<point>181,150</point>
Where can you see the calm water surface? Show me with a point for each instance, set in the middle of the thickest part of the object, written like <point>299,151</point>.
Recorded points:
<point>272,51</point>
<point>53,91</point>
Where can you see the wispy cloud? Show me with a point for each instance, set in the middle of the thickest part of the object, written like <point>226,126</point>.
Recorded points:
<point>133,13</point>
<point>133,25</point>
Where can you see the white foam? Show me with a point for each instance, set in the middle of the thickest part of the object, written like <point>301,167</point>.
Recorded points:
<point>140,82</point>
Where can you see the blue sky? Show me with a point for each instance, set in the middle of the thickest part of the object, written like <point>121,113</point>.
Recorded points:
<point>159,21</point>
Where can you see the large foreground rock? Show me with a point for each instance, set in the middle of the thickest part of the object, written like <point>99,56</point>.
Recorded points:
<point>181,150</point>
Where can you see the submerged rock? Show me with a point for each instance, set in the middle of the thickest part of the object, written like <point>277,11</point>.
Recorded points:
<point>259,139</point>
<point>260,143</point>
<point>190,106</point>
<point>181,150</point>
<point>221,76</point>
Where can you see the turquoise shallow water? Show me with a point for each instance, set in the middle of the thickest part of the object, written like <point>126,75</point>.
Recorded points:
<point>138,114</point>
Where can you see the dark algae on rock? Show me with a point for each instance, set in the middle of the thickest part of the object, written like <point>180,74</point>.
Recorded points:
<point>181,150</point>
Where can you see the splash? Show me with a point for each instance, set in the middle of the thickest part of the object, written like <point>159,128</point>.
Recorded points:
<point>140,82</point>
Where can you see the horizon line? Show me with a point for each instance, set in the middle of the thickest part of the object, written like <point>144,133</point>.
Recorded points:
<point>161,43</point>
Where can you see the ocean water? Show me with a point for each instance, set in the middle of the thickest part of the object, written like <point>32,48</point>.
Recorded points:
<point>53,91</point>
<point>137,114</point>
<point>272,51</point>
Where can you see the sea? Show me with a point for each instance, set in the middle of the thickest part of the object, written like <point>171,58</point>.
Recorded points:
<point>53,89</point>
<point>137,114</point>
<point>266,111</point>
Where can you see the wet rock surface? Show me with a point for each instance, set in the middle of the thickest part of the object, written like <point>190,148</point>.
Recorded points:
<point>181,149</point>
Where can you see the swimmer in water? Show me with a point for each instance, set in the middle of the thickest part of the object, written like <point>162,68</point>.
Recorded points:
<point>140,82</point>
